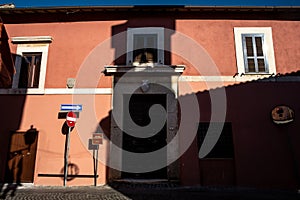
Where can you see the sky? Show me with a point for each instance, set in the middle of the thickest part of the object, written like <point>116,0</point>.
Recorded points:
<point>55,3</point>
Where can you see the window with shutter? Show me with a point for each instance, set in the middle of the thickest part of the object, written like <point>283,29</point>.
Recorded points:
<point>145,46</point>
<point>31,63</point>
<point>254,56</point>
<point>254,50</point>
<point>30,70</point>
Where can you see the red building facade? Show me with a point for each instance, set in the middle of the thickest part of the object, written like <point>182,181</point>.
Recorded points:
<point>199,83</point>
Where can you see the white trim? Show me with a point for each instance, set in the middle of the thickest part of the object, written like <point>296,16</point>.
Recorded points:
<point>59,91</point>
<point>238,79</point>
<point>31,39</point>
<point>221,78</point>
<point>78,91</point>
<point>21,91</point>
<point>159,31</point>
<point>267,46</point>
<point>108,91</point>
<point>32,48</point>
<point>130,69</point>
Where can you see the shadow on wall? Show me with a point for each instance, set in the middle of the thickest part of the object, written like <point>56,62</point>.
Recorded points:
<point>13,107</point>
<point>12,110</point>
<point>6,64</point>
<point>105,125</point>
<point>266,155</point>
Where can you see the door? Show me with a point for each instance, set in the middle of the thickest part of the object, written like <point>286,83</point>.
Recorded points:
<point>139,105</point>
<point>217,168</point>
<point>21,157</point>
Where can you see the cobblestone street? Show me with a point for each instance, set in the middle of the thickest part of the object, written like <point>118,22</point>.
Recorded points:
<point>123,193</point>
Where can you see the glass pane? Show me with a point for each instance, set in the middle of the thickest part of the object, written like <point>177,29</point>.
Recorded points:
<point>251,65</point>
<point>138,48</point>
<point>36,71</point>
<point>259,49</point>
<point>145,48</point>
<point>30,70</point>
<point>249,46</point>
<point>138,42</point>
<point>261,65</point>
<point>151,51</point>
<point>151,41</point>
<point>23,80</point>
<point>224,147</point>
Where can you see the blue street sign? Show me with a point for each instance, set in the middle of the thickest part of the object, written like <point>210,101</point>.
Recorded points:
<point>71,107</point>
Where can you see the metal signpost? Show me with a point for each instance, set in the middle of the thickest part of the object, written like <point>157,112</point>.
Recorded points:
<point>70,120</point>
<point>96,141</point>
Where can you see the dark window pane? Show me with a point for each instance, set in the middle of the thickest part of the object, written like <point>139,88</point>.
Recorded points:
<point>249,46</point>
<point>259,48</point>
<point>138,42</point>
<point>23,80</point>
<point>30,70</point>
<point>151,41</point>
<point>251,65</point>
<point>261,65</point>
<point>138,45</point>
<point>145,48</point>
<point>224,146</point>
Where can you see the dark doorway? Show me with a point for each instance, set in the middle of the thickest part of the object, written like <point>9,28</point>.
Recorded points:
<point>21,157</point>
<point>139,105</point>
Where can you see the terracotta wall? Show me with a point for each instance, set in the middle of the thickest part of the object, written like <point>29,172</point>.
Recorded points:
<point>217,38</point>
<point>74,42</point>
<point>71,46</point>
<point>42,112</point>
<point>266,154</point>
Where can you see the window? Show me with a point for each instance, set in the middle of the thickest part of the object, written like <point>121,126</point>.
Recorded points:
<point>224,146</point>
<point>254,50</point>
<point>30,70</point>
<point>31,62</point>
<point>145,48</point>
<point>254,57</point>
<point>145,45</point>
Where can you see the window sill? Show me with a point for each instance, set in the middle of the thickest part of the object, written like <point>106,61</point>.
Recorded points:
<point>153,68</point>
<point>251,77</point>
<point>256,74</point>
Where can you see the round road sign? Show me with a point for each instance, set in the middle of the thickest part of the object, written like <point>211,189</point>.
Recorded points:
<point>71,119</point>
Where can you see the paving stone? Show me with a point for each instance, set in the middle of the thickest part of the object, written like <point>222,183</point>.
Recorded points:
<point>138,191</point>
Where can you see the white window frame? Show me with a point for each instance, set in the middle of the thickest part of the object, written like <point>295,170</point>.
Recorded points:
<point>35,44</point>
<point>159,31</point>
<point>267,48</point>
